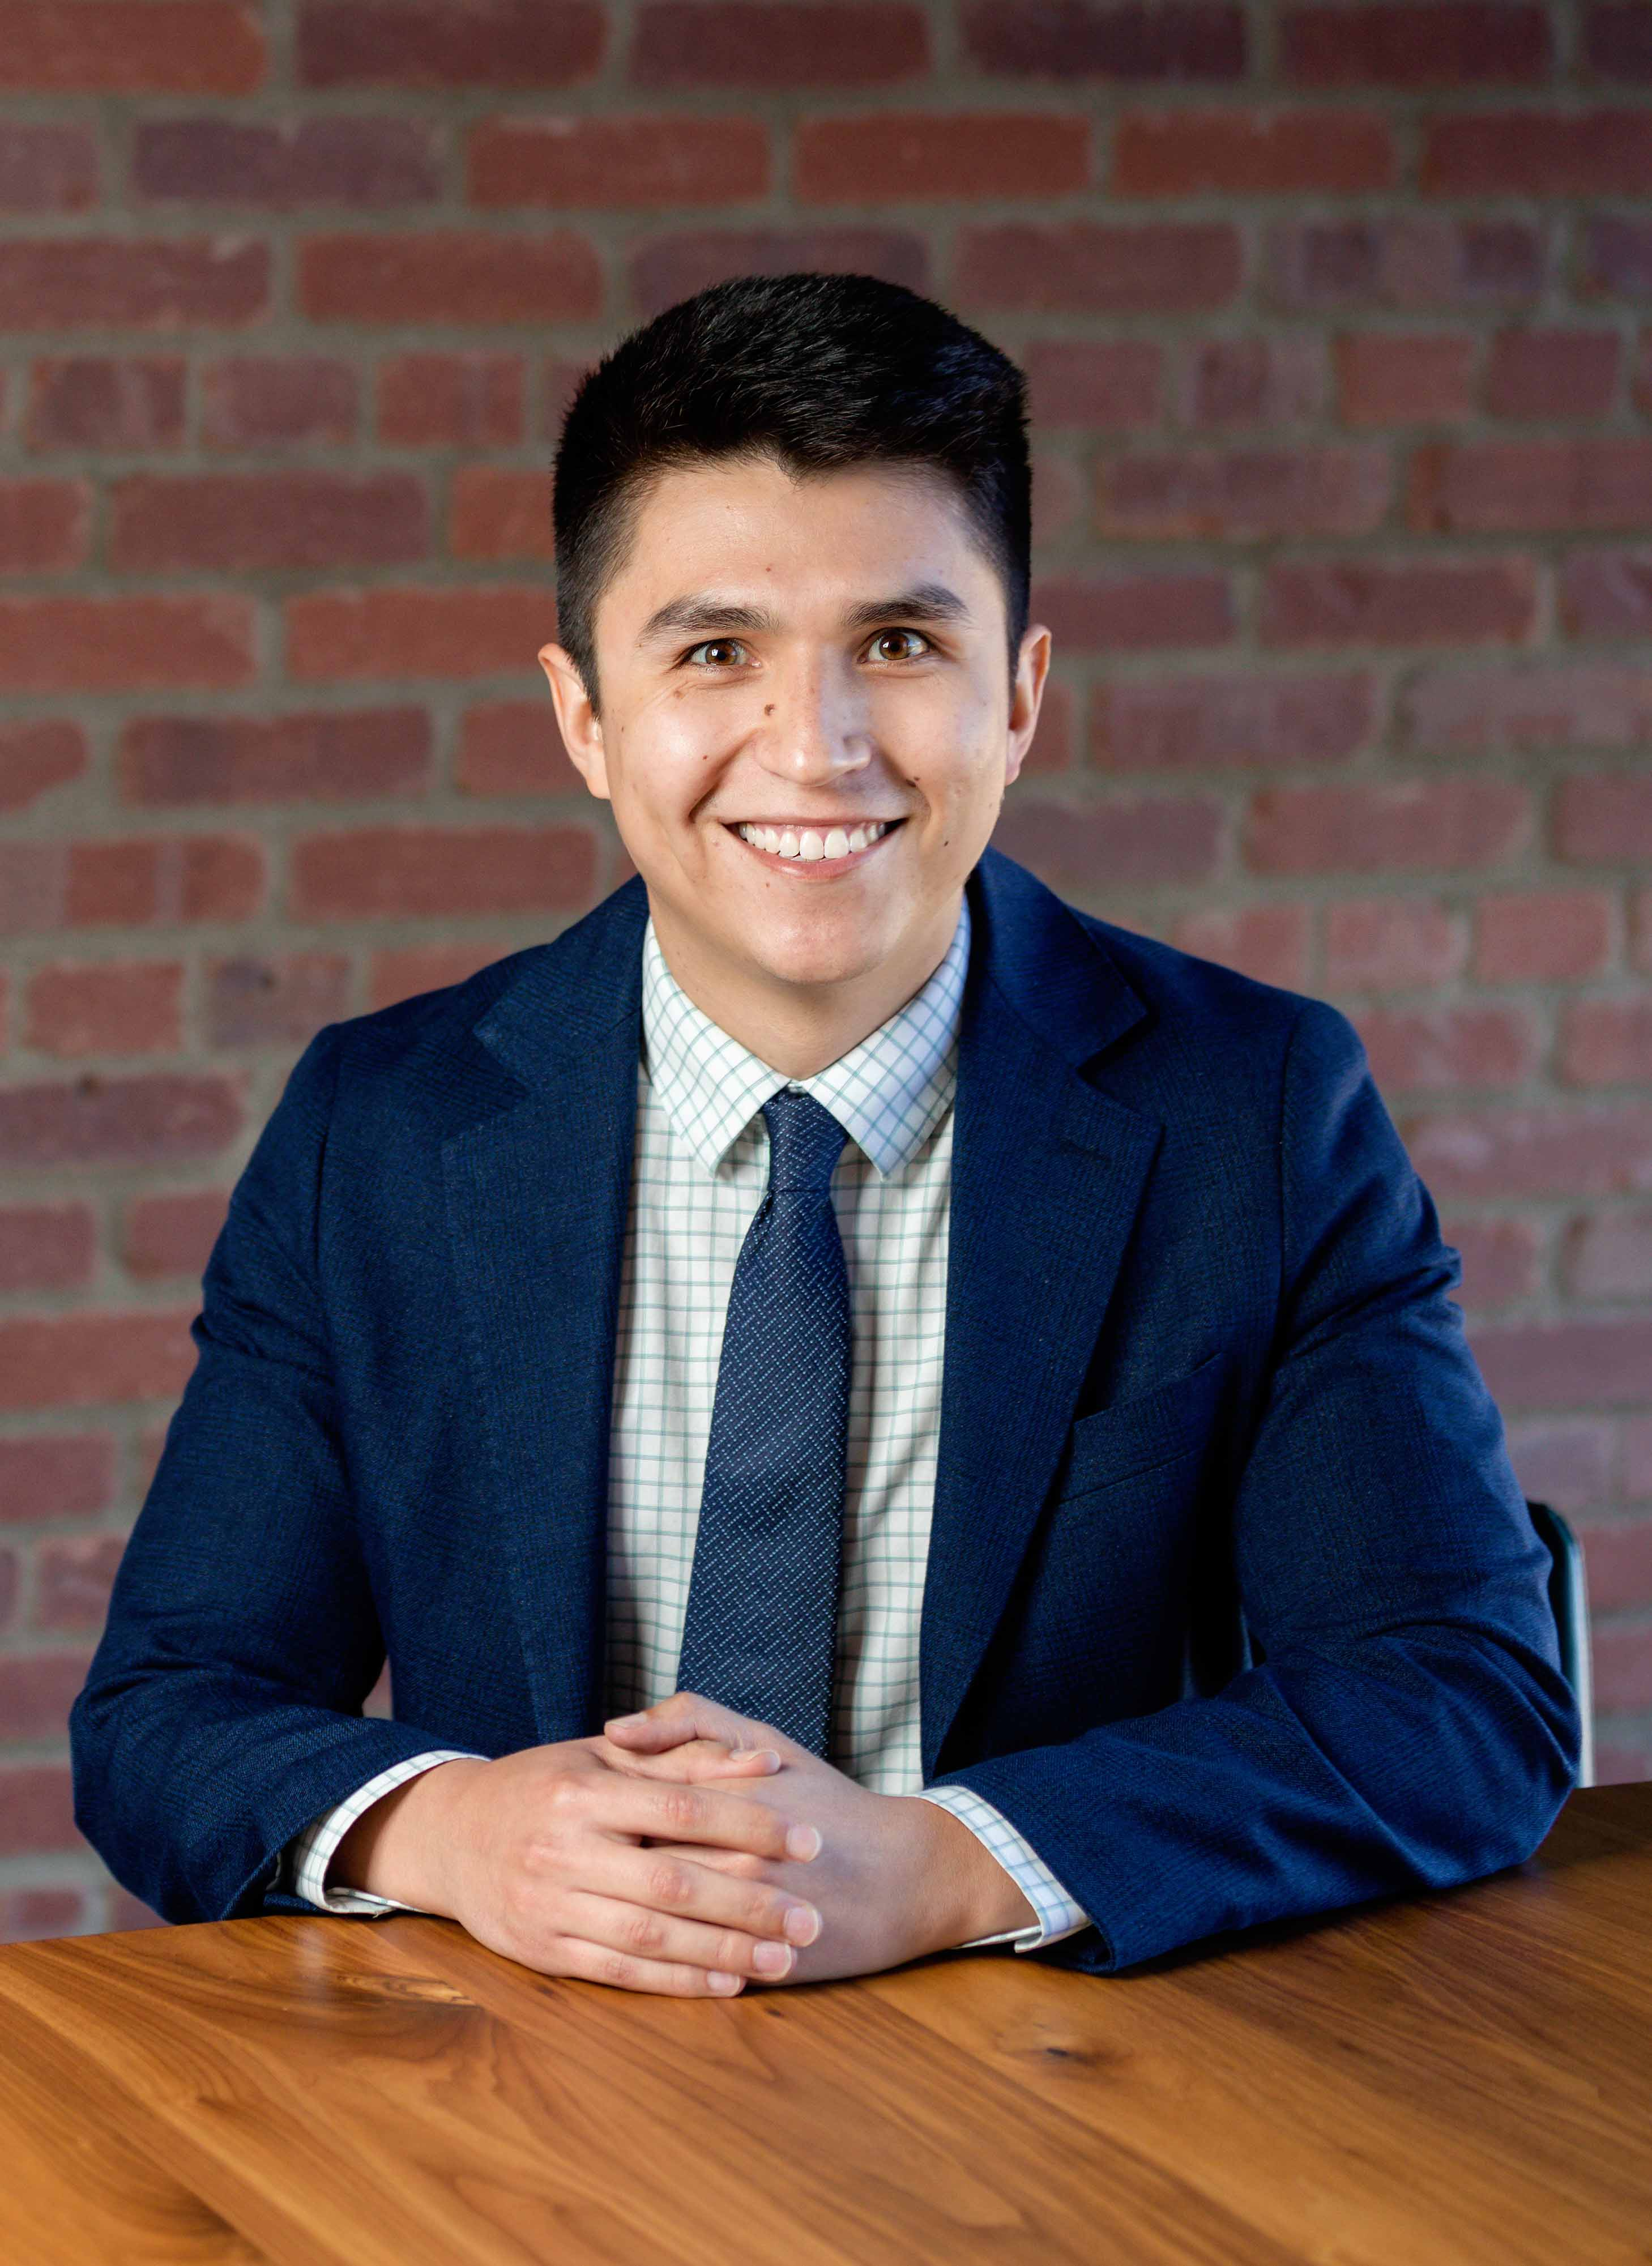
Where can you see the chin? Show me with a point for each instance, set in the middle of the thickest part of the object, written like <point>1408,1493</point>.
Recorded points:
<point>812,958</point>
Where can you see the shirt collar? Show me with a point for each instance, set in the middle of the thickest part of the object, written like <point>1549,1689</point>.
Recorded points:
<point>888,1092</point>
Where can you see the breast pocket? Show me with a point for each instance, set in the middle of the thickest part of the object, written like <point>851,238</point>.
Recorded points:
<point>1129,1437</point>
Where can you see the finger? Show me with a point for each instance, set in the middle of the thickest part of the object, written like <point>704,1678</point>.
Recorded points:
<point>638,1932</point>
<point>687,1715</point>
<point>665,1811</point>
<point>623,1970</point>
<point>733,1894</point>
<point>695,1760</point>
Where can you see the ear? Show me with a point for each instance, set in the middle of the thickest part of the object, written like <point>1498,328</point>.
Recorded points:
<point>1032,670</point>
<point>581,728</point>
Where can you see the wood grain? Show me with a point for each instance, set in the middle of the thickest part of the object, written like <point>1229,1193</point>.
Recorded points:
<point>1437,2081</point>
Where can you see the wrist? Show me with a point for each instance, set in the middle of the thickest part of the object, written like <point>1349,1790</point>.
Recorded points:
<point>967,1892</point>
<point>397,1849</point>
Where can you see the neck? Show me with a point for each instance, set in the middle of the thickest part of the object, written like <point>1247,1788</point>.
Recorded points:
<point>799,1029</point>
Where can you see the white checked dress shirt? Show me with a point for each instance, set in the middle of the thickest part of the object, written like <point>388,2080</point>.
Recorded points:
<point>700,1172</point>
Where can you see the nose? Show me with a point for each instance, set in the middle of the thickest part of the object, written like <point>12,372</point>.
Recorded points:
<point>815,727</point>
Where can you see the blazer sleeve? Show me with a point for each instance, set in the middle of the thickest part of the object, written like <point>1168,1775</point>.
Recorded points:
<point>1405,1724</point>
<point>222,1710</point>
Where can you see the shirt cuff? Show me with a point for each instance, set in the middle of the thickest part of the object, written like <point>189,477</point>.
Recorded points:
<point>311,1852</point>
<point>1058,1915</point>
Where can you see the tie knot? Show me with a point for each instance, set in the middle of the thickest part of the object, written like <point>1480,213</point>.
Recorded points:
<point>805,1143</point>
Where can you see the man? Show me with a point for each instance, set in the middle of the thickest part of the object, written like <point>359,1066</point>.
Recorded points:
<point>861,1327</point>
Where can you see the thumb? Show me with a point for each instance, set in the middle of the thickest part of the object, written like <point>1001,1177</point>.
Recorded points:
<point>687,1716</point>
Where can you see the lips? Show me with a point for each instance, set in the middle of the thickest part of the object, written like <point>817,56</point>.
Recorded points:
<point>816,845</point>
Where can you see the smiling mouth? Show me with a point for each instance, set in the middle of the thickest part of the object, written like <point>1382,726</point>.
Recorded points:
<point>816,845</point>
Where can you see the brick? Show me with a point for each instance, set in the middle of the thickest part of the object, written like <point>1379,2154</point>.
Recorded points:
<point>1109,387</point>
<point>1618,40</point>
<point>37,757</point>
<point>1398,602</point>
<point>275,1002</point>
<point>1278,381</point>
<point>126,1913</point>
<point>1551,373</point>
<point>1610,1256</point>
<point>476,631</point>
<point>1542,935</point>
<point>1607,593</point>
<point>1173,40</point>
<point>63,1361</point>
<point>1604,818</point>
<point>1556,1150</point>
<point>83,645</point>
<point>757,44</point>
<point>384,873</point>
<point>1382,380</point>
<point>616,162</point>
<point>1061,495</point>
<point>116,1008</point>
<point>1417,1049</point>
<point>925,155</point>
<point>444,44</point>
<point>303,161</point>
<point>44,525</point>
<point>250,523</point>
<point>37,1809</point>
<point>675,267</point>
<point>1427,43</point>
<point>1551,704</point>
<point>1641,931</point>
<point>1392,943</point>
<point>1499,1259</point>
<point>1133,839</point>
<point>1401,826</point>
<point>1054,742</point>
<point>1269,942</point>
<point>1564,1462</point>
<point>430,400</point>
<point>1405,261</point>
<point>163,1119</point>
<point>1533,153</point>
<point>1572,1364</point>
<point>10,1584</point>
<point>496,511</point>
<point>330,756</point>
<point>1606,1042</point>
<point>513,747</point>
<point>1615,256</point>
<point>1637,1457</point>
<point>1188,153</point>
<point>132,46</point>
<point>1497,486</point>
<point>50,885</point>
<point>37,1915</point>
<point>46,1246</point>
<point>560,381</point>
<point>37,1691</point>
<point>46,167</point>
<point>1085,266</point>
<point>1134,613</point>
<point>1619,1559</point>
<point>46,1476</point>
<point>1243,495</point>
<point>91,401</point>
<point>1226,723</point>
<point>73,1577</point>
<point>404,974</point>
<point>448,275</point>
<point>172,1236</point>
<point>260,403</point>
<point>58,283</point>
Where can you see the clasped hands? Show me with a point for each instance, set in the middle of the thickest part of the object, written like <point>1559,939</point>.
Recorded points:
<point>685,1849</point>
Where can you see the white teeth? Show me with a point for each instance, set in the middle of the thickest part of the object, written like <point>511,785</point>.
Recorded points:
<point>837,842</point>
<point>787,845</point>
<point>810,845</point>
<point>807,843</point>
<point>857,839</point>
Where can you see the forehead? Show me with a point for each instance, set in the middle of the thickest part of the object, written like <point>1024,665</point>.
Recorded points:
<point>751,524</point>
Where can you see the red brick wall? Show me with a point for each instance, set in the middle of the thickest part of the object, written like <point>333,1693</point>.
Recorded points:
<point>1339,321</point>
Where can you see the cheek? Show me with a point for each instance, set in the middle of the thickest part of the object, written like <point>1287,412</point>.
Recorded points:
<point>665,756</point>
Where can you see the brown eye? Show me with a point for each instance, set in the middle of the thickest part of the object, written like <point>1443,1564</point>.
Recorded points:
<point>897,645</point>
<point>720,652</point>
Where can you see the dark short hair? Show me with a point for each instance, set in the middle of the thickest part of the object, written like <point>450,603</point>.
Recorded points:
<point>823,373</point>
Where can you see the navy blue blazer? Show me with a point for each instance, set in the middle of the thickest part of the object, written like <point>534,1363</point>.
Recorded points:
<point>1200,1355</point>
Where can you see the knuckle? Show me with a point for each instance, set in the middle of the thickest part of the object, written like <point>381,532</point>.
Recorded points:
<point>644,1931</point>
<point>614,1967</point>
<point>669,1885</point>
<point>681,1808</point>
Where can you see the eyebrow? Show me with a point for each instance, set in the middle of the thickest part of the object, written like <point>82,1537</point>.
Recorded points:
<point>702,612</point>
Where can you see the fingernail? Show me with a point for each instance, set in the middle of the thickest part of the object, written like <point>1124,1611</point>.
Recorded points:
<point>772,1958</point>
<point>802,1841</point>
<point>801,1924</point>
<point>725,1986</point>
<point>769,1757</point>
<point>619,1722</point>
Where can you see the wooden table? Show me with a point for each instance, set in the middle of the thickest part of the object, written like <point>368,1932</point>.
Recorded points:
<point>1459,2076</point>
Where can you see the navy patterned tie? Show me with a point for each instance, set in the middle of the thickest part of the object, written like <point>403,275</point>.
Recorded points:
<point>762,1623</point>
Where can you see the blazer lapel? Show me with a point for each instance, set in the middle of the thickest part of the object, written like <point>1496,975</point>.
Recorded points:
<point>1047,1177</point>
<point>537,1197</point>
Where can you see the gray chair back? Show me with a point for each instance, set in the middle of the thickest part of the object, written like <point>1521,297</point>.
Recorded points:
<point>1569,1596</point>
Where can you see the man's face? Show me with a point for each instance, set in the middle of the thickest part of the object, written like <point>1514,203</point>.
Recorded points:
<point>814,667</point>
